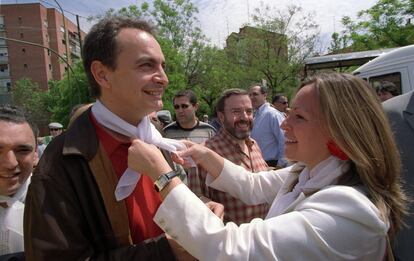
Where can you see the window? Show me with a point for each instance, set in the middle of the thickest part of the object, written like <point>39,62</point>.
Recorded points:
<point>45,23</point>
<point>48,52</point>
<point>4,52</point>
<point>20,20</point>
<point>25,66</point>
<point>50,66</point>
<point>63,41</point>
<point>21,35</point>
<point>395,78</point>
<point>23,50</point>
<point>4,67</point>
<point>62,29</point>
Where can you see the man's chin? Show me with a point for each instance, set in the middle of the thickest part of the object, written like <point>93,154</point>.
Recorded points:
<point>242,136</point>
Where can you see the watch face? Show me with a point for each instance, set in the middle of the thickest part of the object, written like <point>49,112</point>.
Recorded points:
<point>161,182</point>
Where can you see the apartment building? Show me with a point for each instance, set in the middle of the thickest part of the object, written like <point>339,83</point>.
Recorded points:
<point>35,23</point>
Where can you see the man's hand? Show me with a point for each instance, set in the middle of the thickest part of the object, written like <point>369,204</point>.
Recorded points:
<point>147,159</point>
<point>215,207</point>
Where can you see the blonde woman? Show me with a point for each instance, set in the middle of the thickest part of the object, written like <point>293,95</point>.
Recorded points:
<point>340,201</point>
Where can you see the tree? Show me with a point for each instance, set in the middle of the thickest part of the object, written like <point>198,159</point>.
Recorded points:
<point>28,95</point>
<point>215,74</point>
<point>63,95</point>
<point>384,25</point>
<point>338,43</point>
<point>275,47</point>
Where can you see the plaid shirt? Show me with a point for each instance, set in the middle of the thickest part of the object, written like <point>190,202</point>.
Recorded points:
<point>226,145</point>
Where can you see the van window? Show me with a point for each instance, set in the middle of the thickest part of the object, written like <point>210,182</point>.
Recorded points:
<point>395,78</point>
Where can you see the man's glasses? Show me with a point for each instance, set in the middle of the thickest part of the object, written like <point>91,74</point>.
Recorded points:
<point>183,106</point>
<point>54,129</point>
<point>282,102</point>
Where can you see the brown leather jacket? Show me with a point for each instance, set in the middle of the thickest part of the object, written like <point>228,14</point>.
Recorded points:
<point>71,212</point>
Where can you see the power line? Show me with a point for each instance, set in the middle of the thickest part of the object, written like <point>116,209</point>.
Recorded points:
<point>57,8</point>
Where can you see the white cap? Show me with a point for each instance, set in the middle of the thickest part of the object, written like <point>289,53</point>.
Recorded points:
<point>55,125</point>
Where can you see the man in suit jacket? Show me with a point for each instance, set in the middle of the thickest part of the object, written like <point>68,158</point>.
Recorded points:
<point>400,111</point>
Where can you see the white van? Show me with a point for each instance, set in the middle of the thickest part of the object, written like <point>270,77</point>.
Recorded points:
<point>396,66</point>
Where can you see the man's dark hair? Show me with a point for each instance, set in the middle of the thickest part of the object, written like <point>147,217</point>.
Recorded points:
<point>100,44</point>
<point>277,97</point>
<point>263,88</point>
<point>14,114</point>
<point>227,94</point>
<point>386,86</point>
<point>187,93</point>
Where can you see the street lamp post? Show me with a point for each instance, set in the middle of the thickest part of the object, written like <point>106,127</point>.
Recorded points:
<point>65,31</point>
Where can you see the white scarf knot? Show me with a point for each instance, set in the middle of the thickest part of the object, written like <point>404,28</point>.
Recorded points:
<point>145,131</point>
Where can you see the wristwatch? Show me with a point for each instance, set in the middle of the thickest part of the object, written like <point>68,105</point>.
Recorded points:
<point>163,180</point>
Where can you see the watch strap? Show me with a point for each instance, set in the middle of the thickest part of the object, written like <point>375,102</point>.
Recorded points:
<point>163,180</point>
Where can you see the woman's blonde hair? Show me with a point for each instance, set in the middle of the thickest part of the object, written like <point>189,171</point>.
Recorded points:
<point>356,122</point>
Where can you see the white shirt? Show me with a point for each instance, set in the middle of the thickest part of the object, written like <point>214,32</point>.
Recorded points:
<point>11,221</point>
<point>334,223</point>
<point>268,134</point>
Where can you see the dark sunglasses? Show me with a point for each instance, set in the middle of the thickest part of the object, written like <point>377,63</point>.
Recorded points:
<point>283,102</point>
<point>183,106</point>
<point>54,129</point>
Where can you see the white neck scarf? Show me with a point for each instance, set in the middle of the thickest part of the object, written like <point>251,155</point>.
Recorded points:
<point>324,174</point>
<point>145,131</point>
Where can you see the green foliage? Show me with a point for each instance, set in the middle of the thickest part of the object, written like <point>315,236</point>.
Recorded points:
<point>384,25</point>
<point>276,52</point>
<point>63,95</point>
<point>29,96</point>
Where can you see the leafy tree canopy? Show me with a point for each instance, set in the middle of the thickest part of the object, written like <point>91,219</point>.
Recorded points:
<point>386,24</point>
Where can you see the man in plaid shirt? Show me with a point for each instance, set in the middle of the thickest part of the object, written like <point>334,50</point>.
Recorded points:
<point>233,142</point>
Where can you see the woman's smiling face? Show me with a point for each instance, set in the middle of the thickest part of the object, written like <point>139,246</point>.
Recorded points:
<point>305,132</point>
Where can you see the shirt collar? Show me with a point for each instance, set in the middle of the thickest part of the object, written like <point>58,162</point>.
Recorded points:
<point>233,141</point>
<point>108,141</point>
<point>262,108</point>
<point>190,129</point>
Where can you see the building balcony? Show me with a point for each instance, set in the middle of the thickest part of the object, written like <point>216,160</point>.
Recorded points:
<point>4,59</point>
<point>75,50</point>
<point>4,74</point>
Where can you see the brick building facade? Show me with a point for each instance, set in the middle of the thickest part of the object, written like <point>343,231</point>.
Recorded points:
<point>44,26</point>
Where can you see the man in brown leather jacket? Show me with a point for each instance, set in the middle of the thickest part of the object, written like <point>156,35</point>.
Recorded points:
<point>71,211</point>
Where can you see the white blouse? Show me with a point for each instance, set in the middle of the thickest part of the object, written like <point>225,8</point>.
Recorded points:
<point>334,223</point>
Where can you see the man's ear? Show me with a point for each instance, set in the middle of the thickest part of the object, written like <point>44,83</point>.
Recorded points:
<point>220,116</point>
<point>101,74</point>
<point>196,107</point>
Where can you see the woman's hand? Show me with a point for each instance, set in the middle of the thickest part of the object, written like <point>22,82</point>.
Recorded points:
<point>147,159</point>
<point>203,156</point>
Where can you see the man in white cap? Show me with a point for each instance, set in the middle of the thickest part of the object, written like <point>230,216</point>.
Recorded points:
<point>55,129</point>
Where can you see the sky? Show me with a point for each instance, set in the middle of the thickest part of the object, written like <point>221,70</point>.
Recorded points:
<point>219,18</point>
